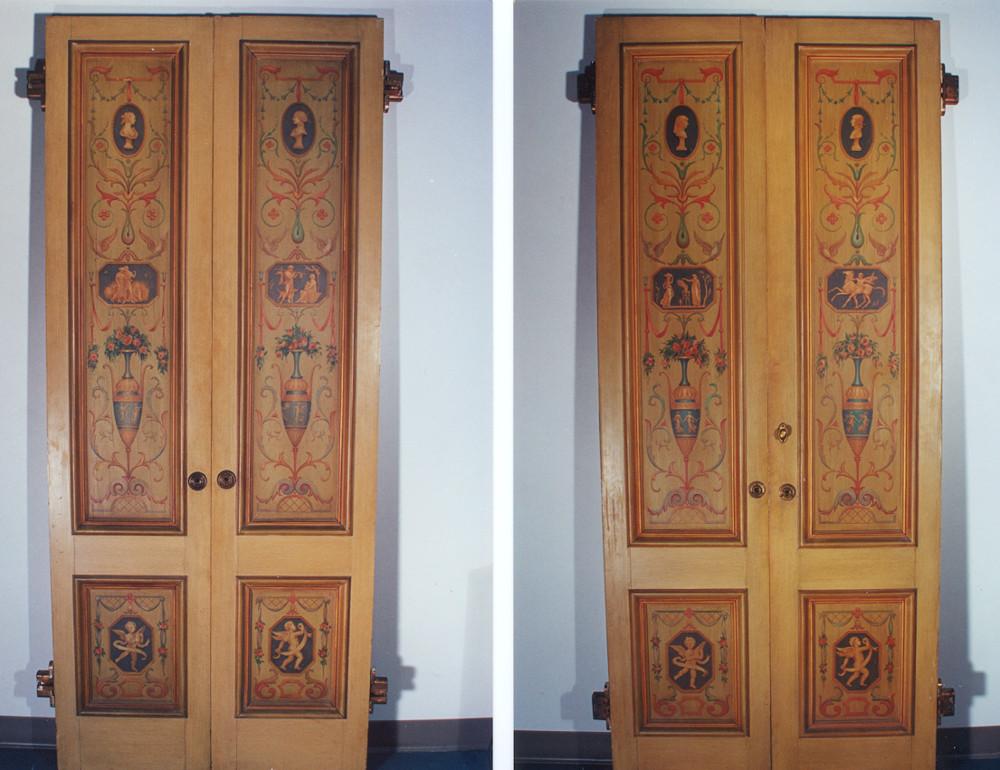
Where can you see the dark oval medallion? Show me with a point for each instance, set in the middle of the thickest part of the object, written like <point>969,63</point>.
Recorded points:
<point>129,129</point>
<point>298,128</point>
<point>682,131</point>
<point>856,132</point>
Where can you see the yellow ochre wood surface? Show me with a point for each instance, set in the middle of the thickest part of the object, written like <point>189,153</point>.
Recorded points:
<point>837,600</point>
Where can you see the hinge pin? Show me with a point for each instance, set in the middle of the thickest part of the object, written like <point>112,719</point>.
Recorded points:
<point>46,687</point>
<point>392,86</point>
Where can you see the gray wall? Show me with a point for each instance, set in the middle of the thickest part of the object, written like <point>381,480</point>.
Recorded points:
<point>560,644</point>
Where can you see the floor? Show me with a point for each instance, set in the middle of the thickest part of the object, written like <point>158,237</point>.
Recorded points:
<point>20,759</point>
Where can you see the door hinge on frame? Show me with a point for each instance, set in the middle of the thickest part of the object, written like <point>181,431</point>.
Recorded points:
<point>392,86</point>
<point>586,86</point>
<point>35,90</point>
<point>378,691</point>
<point>945,701</point>
<point>46,687</point>
<point>600,704</point>
<point>949,89</point>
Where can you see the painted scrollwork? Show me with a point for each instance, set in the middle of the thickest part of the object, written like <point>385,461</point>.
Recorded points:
<point>297,208</point>
<point>127,262</point>
<point>682,299</point>
<point>857,291</point>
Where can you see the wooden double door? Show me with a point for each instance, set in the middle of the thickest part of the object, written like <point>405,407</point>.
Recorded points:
<point>769,303</point>
<point>213,194</point>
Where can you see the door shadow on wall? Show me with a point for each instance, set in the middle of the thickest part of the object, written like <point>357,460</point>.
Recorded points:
<point>36,449</point>
<point>386,658</point>
<point>956,667</point>
<point>588,573</point>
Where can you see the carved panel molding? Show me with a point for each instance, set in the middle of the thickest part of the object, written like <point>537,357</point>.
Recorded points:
<point>681,303</point>
<point>127,267</point>
<point>857,225</point>
<point>690,657</point>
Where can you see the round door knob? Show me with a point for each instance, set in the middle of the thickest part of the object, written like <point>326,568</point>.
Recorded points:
<point>197,481</point>
<point>226,479</point>
<point>786,492</point>
<point>783,432</point>
<point>757,489</point>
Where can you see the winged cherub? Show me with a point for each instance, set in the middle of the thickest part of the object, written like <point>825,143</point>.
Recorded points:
<point>691,658</point>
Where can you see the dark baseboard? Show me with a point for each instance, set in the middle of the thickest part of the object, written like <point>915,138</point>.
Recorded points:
<point>593,749</point>
<point>27,733</point>
<point>430,735</point>
<point>969,742</point>
<point>383,737</point>
<point>543,747</point>
<point>532,746</point>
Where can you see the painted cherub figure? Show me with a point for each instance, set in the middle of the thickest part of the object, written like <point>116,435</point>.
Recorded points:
<point>127,129</point>
<point>131,643</point>
<point>680,131</point>
<point>857,655</point>
<point>293,639</point>
<point>299,130</point>
<point>691,659</point>
<point>857,131</point>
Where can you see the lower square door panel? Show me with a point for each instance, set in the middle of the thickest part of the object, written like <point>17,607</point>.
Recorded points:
<point>858,662</point>
<point>130,645</point>
<point>690,660</point>
<point>293,647</point>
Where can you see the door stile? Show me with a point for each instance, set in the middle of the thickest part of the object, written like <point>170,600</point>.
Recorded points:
<point>57,348</point>
<point>930,335</point>
<point>225,356</point>
<point>640,567</point>
<point>611,388</point>
<point>102,556</point>
<point>783,400</point>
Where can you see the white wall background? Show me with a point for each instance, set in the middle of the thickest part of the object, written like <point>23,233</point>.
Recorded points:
<point>433,574</point>
<point>560,653</point>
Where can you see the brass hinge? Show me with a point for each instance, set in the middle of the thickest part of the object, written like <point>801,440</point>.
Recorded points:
<point>46,687</point>
<point>378,691</point>
<point>392,86</point>
<point>949,89</point>
<point>600,704</point>
<point>36,83</point>
<point>586,86</point>
<point>945,701</point>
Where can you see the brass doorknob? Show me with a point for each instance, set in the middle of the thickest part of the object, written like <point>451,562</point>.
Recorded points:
<point>783,432</point>
<point>757,489</point>
<point>197,481</point>
<point>226,479</point>
<point>786,492</point>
